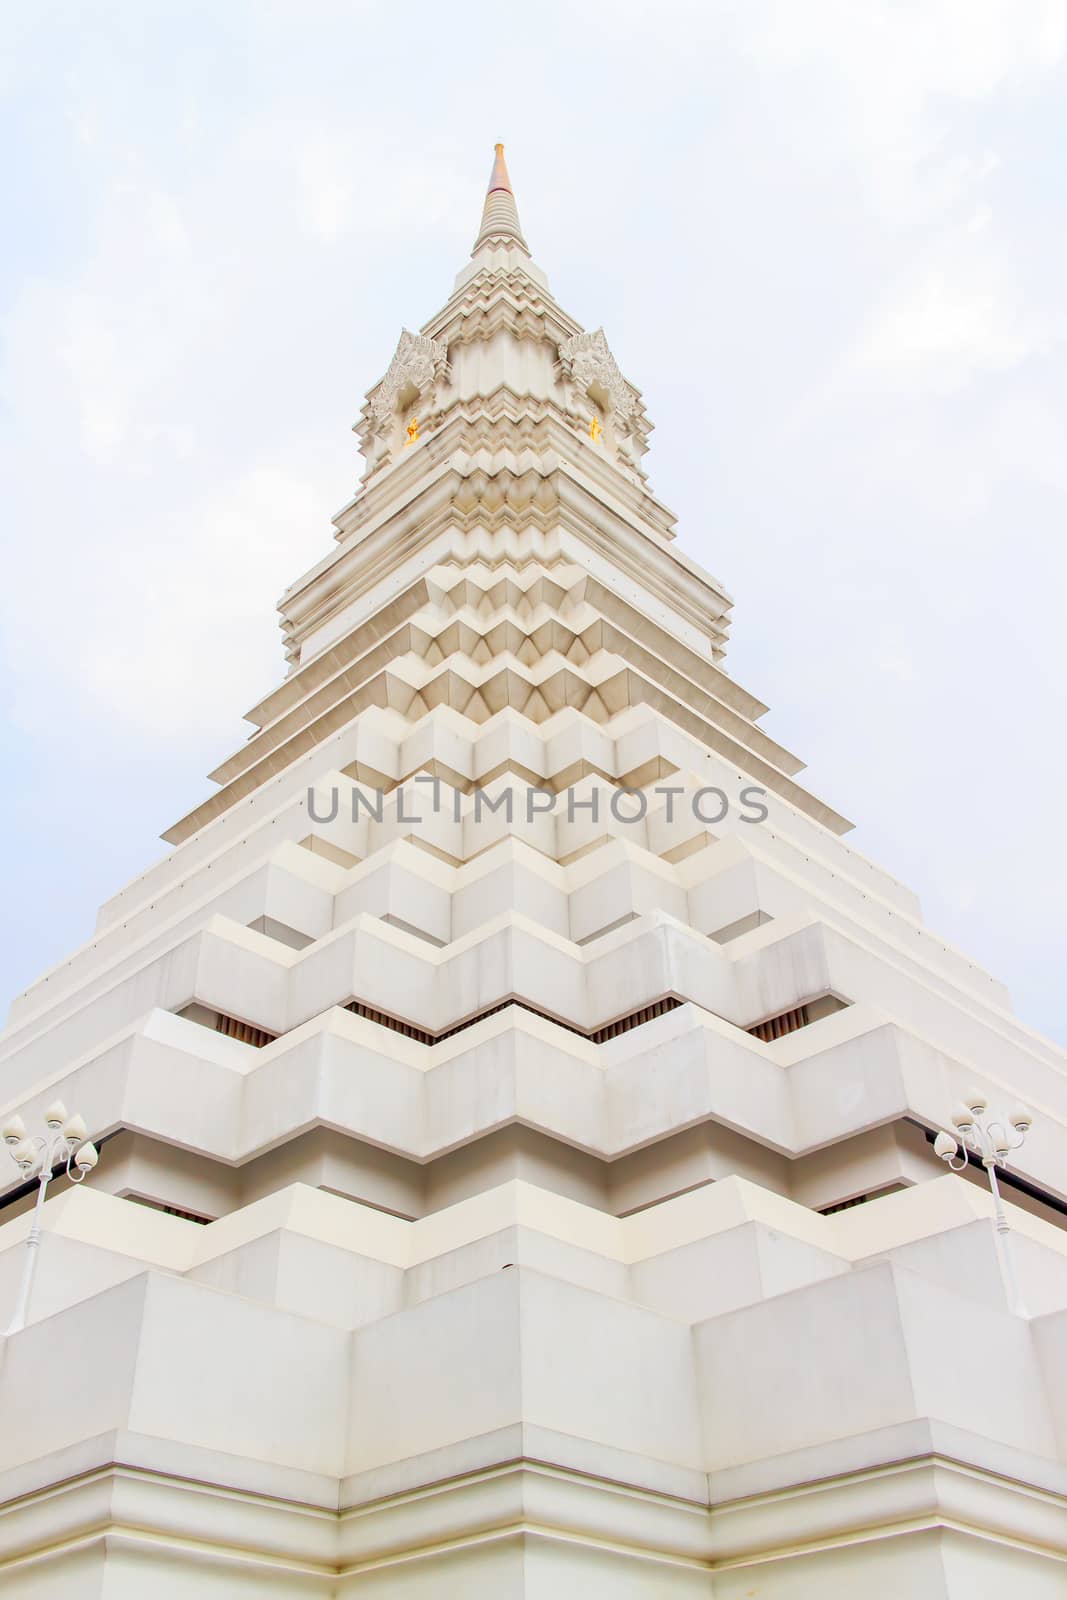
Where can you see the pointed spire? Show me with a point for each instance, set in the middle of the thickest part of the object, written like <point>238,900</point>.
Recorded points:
<point>500,216</point>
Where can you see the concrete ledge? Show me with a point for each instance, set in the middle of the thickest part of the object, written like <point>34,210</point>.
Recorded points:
<point>214,1514</point>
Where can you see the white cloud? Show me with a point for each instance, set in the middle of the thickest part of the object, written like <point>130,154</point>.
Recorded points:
<point>328,190</point>
<point>910,50</point>
<point>188,615</point>
<point>890,73</point>
<point>1028,436</point>
<point>821,226</point>
<point>956,316</point>
<point>900,667</point>
<point>181,629</point>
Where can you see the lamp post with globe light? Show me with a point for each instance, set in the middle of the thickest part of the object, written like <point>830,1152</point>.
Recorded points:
<point>63,1144</point>
<point>988,1139</point>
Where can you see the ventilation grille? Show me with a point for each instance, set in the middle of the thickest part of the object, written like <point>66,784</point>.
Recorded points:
<point>623,1024</point>
<point>243,1031</point>
<point>846,1205</point>
<point>824,1005</point>
<point>778,1027</point>
<point>168,1211</point>
<point>384,1020</point>
<point>860,1200</point>
<point>610,1030</point>
<point>769,1030</point>
<point>186,1216</point>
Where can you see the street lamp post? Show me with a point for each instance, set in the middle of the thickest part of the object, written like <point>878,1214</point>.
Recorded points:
<point>63,1144</point>
<point>988,1139</point>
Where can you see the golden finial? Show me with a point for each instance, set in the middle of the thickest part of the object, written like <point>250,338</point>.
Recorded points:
<point>500,219</point>
<point>595,430</point>
<point>498,178</point>
<point>413,431</point>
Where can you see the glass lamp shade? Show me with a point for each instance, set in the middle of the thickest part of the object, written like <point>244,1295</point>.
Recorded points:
<point>26,1154</point>
<point>56,1115</point>
<point>14,1130</point>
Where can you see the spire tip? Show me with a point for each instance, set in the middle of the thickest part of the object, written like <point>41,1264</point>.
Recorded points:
<point>498,178</point>
<point>500,218</point>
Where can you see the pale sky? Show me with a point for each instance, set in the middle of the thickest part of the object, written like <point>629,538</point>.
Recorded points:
<point>827,241</point>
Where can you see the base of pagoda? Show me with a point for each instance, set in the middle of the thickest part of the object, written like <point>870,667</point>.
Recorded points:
<point>920,1510</point>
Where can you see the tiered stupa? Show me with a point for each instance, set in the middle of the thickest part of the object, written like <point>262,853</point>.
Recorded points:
<point>516,1099</point>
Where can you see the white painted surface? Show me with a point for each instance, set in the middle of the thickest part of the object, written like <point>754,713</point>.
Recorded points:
<point>521,1312</point>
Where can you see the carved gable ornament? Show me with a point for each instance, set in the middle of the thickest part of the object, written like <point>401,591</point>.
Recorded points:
<point>418,364</point>
<point>589,363</point>
<point>594,384</point>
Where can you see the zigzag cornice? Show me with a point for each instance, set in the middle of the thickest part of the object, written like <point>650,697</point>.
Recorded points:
<point>377,750</point>
<point>526,311</point>
<point>227,886</point>
<point>275,988</point>
<point>427,533</point>
<point>343,1073</point>
<point>797,1050</point>
<point>616,453</point>
<point>580,592</point>
<point>627,1240</point>
<point>474,645</point>
<point>500,311</point>
<point>379,746</point>
<point>529,319</point>
<point>502,490</point>
<point>504,422</point>
<point>653,1519</point>
<point>278,989</point>
<point>564,590</point>
<point>513,295</point>
<point>512,1068</point>
<point>502,419</point>
<point>498,532</point>
<point>501,429</point>
<point>480,693</point>
<point>488,517</point>
<point>185,907</point>
<point>431,640</point>
<point>441,592</point>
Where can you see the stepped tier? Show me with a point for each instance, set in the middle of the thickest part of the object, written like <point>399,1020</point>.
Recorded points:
<point>516,1097</point>
<point>313,1398</point>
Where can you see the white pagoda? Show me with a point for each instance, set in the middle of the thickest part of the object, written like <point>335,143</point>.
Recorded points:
<point>516,1102</point>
